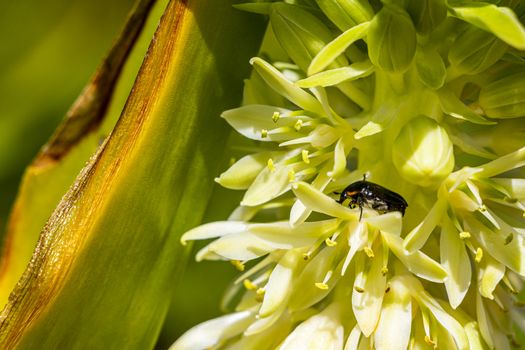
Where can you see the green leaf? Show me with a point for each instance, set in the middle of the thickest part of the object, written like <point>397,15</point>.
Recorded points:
<point>501,21</point>
<point>88,121</point>
<point>106,260</point>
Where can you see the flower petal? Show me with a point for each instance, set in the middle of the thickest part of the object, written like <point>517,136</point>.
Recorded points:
<point>491,273</point>
<point>455,261</point>
<point>279,286</point>
<point>352,342</point>
<point>323,331</point>
<point>250,120</point>
<point>306,293</point>
<point>453,327</point>
<point>389,222</point>
<point>357,238</point>
<point>508,162</point>
<point>269,184</point>
<point>319,202</point>
<point>214,229</point>
<point>277,81</point>
<point>299,212</point>
<point>241,174</point>
<point>339,159</point>
<point>338,75</point>
<point>417,263</point>
<point>212,332</point>
<point>258,240</point>
<point>336,47</point>
<point>395,322</point>
<point>510,254</point>
<point>419,235</point>
<point>366,303</point>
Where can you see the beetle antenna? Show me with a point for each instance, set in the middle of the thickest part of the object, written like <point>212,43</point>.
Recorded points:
<point>364,177</point>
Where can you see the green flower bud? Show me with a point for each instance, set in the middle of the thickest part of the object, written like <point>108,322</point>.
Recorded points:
<point>505,97</point>
<point>422,152</point>
<point>392,39</point>
<point>427,14</point>
<point>300,33</point>
<point>346,13</point>
<point>475,50</point>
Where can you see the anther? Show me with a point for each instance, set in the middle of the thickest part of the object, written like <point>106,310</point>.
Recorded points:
<point>329,242</point>
<point>291,176</point>
<point>464,235</point>
<point>276,116</point>
<point>238,265</point>
<point>298,125</point>
<point>479,255</point>
<point>304,154</point>
<point>321,285</point>
<point>270,165</point>
<point>264,133</point>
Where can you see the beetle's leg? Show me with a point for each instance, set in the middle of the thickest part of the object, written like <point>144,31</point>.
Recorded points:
<point>360,212</point>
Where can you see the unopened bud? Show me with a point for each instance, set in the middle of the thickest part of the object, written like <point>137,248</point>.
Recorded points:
<point>423,153</point>
<point>392,39</point>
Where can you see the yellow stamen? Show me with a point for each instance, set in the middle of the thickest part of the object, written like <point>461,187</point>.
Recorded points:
<point>359,289</point>
<point>304,154</point>
<point>276,116</point>
<point>260,291</point>
<point>479,255</point>
<point>321,285</point>
<point>270,165</point>
<point>249,285</point>
<point>429,341</point>
<point>329,242</point>
<point>369,252</point>
<point>291,176</point>
<point>264,133</point>
<point>298,125</point>
<point>384,270</point>
<point>238,264</point>
<point>464,235</point>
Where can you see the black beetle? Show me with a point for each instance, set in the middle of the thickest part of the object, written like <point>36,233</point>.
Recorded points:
<point>368,194</point>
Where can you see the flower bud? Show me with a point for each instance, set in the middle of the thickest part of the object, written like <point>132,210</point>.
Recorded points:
<point>427,14</point>
<point>392,39</point>
<point>422,152</point>
<point>505,97</point>
<point>301,34</point>
<point>475,50</point>
<point>346,13</point>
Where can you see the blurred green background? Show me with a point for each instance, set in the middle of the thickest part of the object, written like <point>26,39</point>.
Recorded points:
<point>49,50</point>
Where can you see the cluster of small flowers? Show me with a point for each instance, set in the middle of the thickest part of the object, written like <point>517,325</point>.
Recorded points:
<point>425,98</point>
